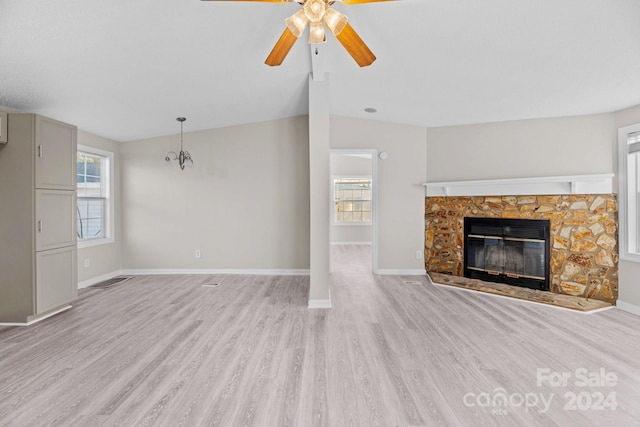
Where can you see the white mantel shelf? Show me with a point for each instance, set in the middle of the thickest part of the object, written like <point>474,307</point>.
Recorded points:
<point>573,184</point>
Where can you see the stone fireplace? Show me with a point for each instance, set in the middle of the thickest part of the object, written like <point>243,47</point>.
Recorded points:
<point>583,238</point>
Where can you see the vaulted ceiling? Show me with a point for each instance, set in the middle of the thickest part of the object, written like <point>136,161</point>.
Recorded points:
<point>126,69</point>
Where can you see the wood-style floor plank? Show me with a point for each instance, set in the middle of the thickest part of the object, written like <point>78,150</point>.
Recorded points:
<point>168,351</point>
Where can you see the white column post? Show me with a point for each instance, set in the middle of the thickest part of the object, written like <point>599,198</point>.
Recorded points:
<point>319,127</point>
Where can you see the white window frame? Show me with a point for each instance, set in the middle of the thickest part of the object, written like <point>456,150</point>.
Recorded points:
<point>628,199</point>
<point>109,209</point>
<point>333,200</point>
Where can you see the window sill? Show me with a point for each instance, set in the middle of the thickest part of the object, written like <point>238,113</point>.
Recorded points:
<point>349,224</point>
<point>94,242</point>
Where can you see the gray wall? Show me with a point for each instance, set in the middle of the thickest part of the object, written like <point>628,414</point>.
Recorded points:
<point>400,189</point>
<point>524,148</point>
<point>245,204</point>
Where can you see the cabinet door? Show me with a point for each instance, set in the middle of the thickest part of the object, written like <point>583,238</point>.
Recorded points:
<point>55,154</point>
<point>55,278</point>
<point>55,219</point>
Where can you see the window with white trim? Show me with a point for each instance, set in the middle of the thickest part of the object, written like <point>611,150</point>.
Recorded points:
<point>94,207</point>
<point>352,200</point>
<point>629,191</point>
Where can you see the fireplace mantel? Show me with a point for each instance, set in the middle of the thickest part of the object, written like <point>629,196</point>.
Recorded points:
<point>571,184</point>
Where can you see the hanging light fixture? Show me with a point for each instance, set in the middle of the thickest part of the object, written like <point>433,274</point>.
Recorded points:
<point>184,158</point>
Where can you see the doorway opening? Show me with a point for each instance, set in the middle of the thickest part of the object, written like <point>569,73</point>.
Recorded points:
<point>353,185</point>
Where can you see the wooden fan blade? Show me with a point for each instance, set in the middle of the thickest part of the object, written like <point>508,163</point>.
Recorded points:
<point>349,2</point>
<point>282,48</point>
<point>355,46</point>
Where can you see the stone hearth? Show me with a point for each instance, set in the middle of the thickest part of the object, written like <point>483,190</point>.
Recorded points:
<point>584,237</point>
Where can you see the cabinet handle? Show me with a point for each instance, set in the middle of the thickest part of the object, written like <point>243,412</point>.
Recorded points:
<point>39,226</point>
<point>40,150</point>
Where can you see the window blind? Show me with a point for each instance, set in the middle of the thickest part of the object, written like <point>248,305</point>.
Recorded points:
<point>633,140</point>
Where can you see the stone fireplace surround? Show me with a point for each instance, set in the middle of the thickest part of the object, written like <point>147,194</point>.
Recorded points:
<point>584,236</point>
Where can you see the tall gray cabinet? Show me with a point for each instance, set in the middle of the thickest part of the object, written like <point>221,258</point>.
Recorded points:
<point>38,275</point>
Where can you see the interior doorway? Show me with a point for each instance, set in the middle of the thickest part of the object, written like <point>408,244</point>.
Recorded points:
<point>353,188</point>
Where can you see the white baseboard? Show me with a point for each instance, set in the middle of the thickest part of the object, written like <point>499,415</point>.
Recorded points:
<point>38,319</point>
<point>351,243</point>
<point>98,279</point>
<point>628,307</point>
<point>319,303</point>
<point>401,272</point>
<point>249,271</point>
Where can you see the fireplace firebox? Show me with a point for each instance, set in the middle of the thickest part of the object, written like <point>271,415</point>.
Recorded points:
<point>504,250</point>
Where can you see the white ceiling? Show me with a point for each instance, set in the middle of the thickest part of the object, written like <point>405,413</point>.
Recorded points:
<point>126,69</point>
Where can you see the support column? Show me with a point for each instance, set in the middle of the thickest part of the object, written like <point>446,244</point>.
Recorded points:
<point>320,207</point>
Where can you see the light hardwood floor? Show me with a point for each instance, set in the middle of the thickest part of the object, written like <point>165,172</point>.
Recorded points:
<point>166,351</point>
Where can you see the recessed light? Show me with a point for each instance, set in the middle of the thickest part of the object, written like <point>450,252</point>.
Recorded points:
<point>370,110</point>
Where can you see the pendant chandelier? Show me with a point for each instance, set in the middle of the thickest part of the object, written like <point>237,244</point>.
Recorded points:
<point>183,158</point>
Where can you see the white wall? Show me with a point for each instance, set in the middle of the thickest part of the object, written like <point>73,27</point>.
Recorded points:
<point>344,165</point>
<point>524,148</point>
<point>400,190</point>
<point>629,272</point>
<point>105,260</point>
<point>245,204</point>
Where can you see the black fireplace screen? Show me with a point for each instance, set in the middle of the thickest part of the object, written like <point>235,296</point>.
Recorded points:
<point>512,251</point>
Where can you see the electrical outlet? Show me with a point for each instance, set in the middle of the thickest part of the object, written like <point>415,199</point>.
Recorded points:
<point>87,263</point>
<point>198,254</point>
<point>418,254</point>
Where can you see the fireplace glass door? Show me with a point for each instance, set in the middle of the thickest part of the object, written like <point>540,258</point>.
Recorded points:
<point>507,251</point>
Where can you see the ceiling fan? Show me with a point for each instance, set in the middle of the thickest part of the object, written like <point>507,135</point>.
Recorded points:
<point>317,14</point>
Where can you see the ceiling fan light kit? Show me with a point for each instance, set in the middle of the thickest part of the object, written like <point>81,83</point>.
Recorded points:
<point>335,21</point>
<point>316,14</point>
<point>297,22</point>
<point>314,9</point>
<point>316,33</point>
